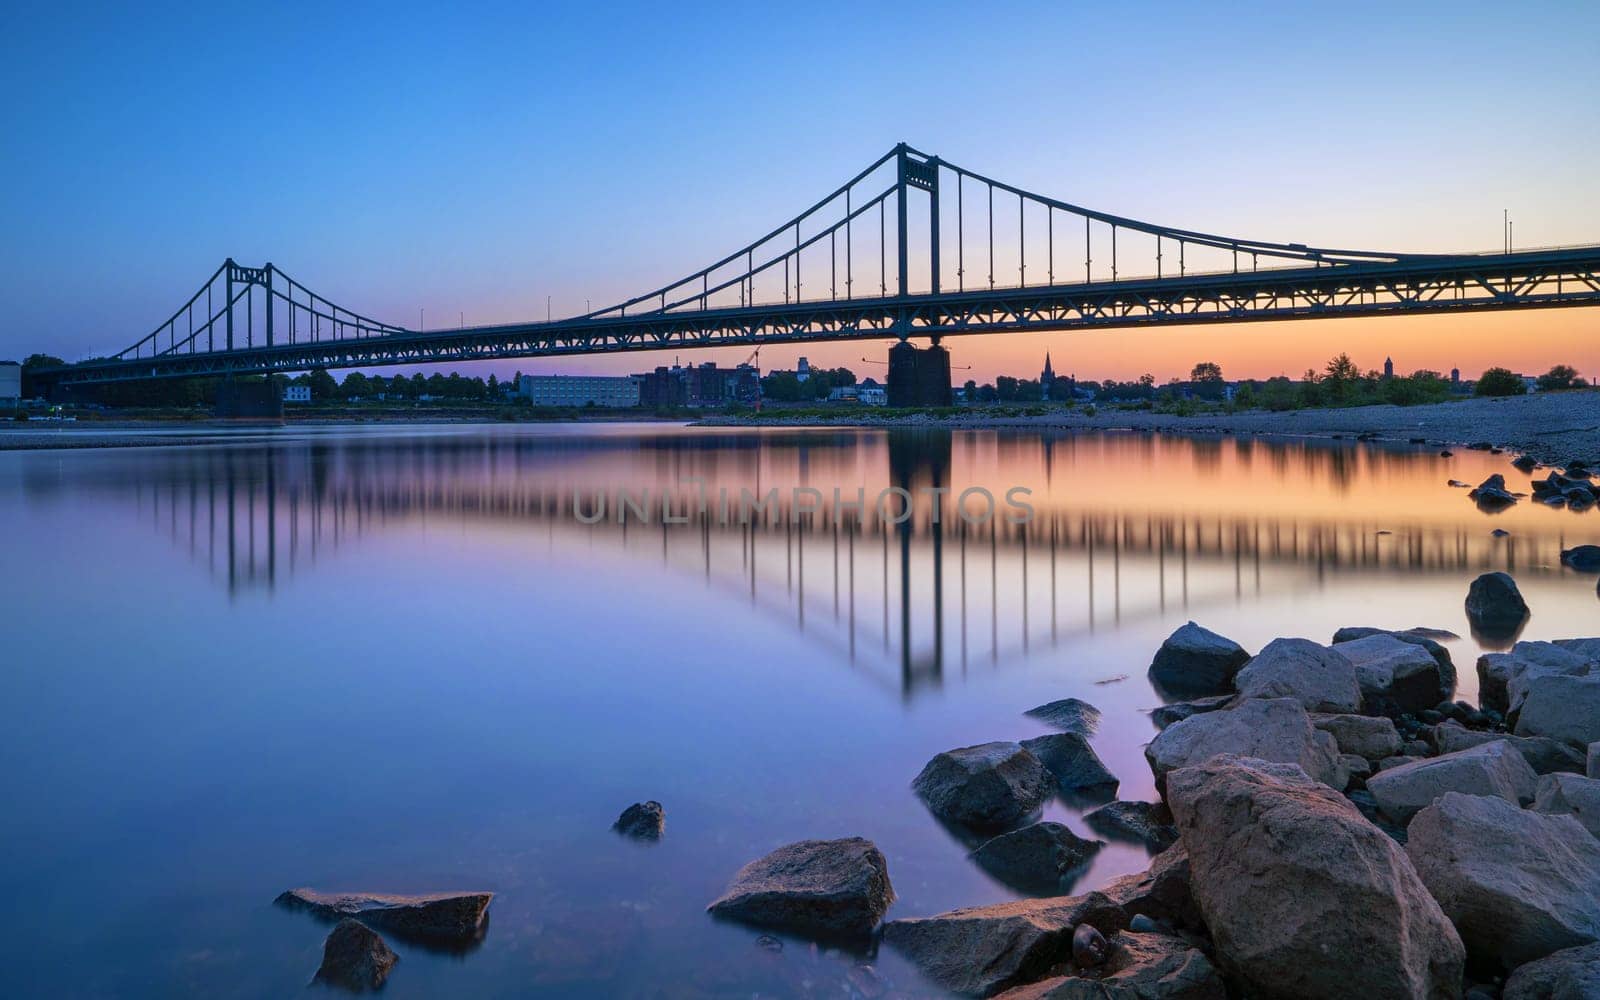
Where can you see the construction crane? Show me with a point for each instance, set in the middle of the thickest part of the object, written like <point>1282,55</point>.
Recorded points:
<point>754,361</point>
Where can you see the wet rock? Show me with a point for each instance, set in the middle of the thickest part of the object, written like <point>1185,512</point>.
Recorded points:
<point>1583,558</point>
<point>982,950</point>
<point>1137,966</point>
<point>1303,896</point>
<point>1569,974</point>
<point>1503,678</point>
<point>1196,661</point>
<point>641,821</point>
<point>1398,672</point>
<point>986,787</point>
<point>355,958</point>
<point>1161,892</point>
<point>1592,761</point>
<point>1147,823</point>
<point>1166,715</point>
<point>1372,737</point>
<point>1495,606</point>
<point>1519,885</point>
<point>1320,678</point>
<point>1570,795</point>
<point>1068,715</point>
<point>444,916</point>
<point>1544,755</point>
<point>1563,707</point>
<point>1492,493</point>
<point>817,888</point>
<point>1088,947</point>
<point>1077,769</point>
<point>1276,730</point>
<point>1524,463</point>
<point>1492,769</point>
<point>1037,858</point>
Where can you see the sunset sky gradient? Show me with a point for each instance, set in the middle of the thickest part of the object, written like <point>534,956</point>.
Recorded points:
<point>404,157</point>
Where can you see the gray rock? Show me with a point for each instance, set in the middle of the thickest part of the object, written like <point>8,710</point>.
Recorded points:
<point>1321,679</point>
<point>1588,647</point>
<point>1147,823</point>
<point>1544,755</point>
<point>986,787</point>
<point>1398,760</point>
<point>1372,737</point>
<point>1068,715</point>
<point>819,888</point>
<point>1196,661</point>
<point>1358,769</point>
<point>1563,708</point>
<point>1570,795</point>
<point>1519,885</point>
<point>1166,715</point>
<point>1303,896</point>
<point>982,950</point>
<point>641,821</point>
<point>1036,858</point>
<point>1078,770</point>
<point>1503,678</point>
<point>1492,493</point>
<point>1495,606</point>
<point>1491,769</point>
<point>1136,967</point>
<point>1393,670</point>
<point>1161,892</point>
<point>1592,761</point>
<point>1569,974</point>
<point>443,915</point>
<point>1088,947</point>
<point>1276,730</point>
<point>355,958</point>
<point>1583,558</point>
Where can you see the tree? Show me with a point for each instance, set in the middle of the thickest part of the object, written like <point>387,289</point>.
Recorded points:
<point>493,387</point>
<point>323,387</point>
<point>971,389</point>
<point>1147,380</point>
<point>356,386</point>
<point>782,387</point>
<point>1339,378</point>
<point>1206,371</point>
<point>1560,377</point>
<point>1500,382</point>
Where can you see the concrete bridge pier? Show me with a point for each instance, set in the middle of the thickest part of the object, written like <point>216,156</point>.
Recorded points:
<point>919,377</point>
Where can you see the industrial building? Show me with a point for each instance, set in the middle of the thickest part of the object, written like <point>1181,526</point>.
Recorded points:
<point>580,390</point>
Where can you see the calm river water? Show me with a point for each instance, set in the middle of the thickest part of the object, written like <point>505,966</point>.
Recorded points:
<point>400,660</point>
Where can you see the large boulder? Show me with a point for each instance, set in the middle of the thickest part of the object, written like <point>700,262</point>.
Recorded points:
<point>1563,708</point>
<point>1570,795</point>
<point>1136,967</point>
<point>1303,896</point>
<point>818,888</point>
<point>1569,974</point>
<point>1491,769</point>
<point>1519,885</point>
<point>1036,859</point>
<point>981,950</point>
<point>1503,678</point>
<point>1398,674</point>
<point>1070,715</point>
<point>986,787</point>
<point>641,821</point>
<point>355,958</point>
<point>1147,823</point>
<point>449,916</point>
<point>1372,737</point>
<point>1196,661</point>
<point>1077,769</point>
<point>1274,729</point>
<point>1543,754</point>
<point>1319,678</point>
<point>1495,607</point>
<point>1583,558</point>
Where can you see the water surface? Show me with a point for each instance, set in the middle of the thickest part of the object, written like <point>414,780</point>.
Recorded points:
<point>400,660</point>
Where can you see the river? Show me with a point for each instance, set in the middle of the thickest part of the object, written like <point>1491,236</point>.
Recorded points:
<point>440,658</point>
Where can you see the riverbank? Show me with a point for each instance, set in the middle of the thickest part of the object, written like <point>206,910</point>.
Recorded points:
<point>1552,427</point>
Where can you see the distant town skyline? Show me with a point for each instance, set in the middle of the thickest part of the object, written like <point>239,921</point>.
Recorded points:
<point>484,186</point>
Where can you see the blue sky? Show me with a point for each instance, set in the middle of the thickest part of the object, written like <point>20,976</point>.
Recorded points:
<point>474,160</point>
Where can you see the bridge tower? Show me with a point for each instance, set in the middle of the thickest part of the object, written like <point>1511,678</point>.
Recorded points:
<point>917,377</point>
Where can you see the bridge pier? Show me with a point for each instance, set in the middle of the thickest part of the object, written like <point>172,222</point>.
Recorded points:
<point>919,377</point>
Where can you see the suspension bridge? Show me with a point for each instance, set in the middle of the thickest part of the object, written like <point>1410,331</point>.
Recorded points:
<point>911,248</point>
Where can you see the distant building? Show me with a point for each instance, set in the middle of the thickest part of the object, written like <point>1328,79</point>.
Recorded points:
<point>701,385</point>
<point>580,390</point>
<point>297,394</point>
<point>867,393</point>
<point>1388,367</point>
<point>10,383</point>
<point>1047,378</point>
<point>803,370</point>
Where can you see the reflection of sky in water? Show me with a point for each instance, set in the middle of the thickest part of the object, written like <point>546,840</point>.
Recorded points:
<point>394,660</point>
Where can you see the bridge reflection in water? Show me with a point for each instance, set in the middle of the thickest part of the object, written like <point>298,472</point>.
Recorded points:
<point>1176,525</point>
